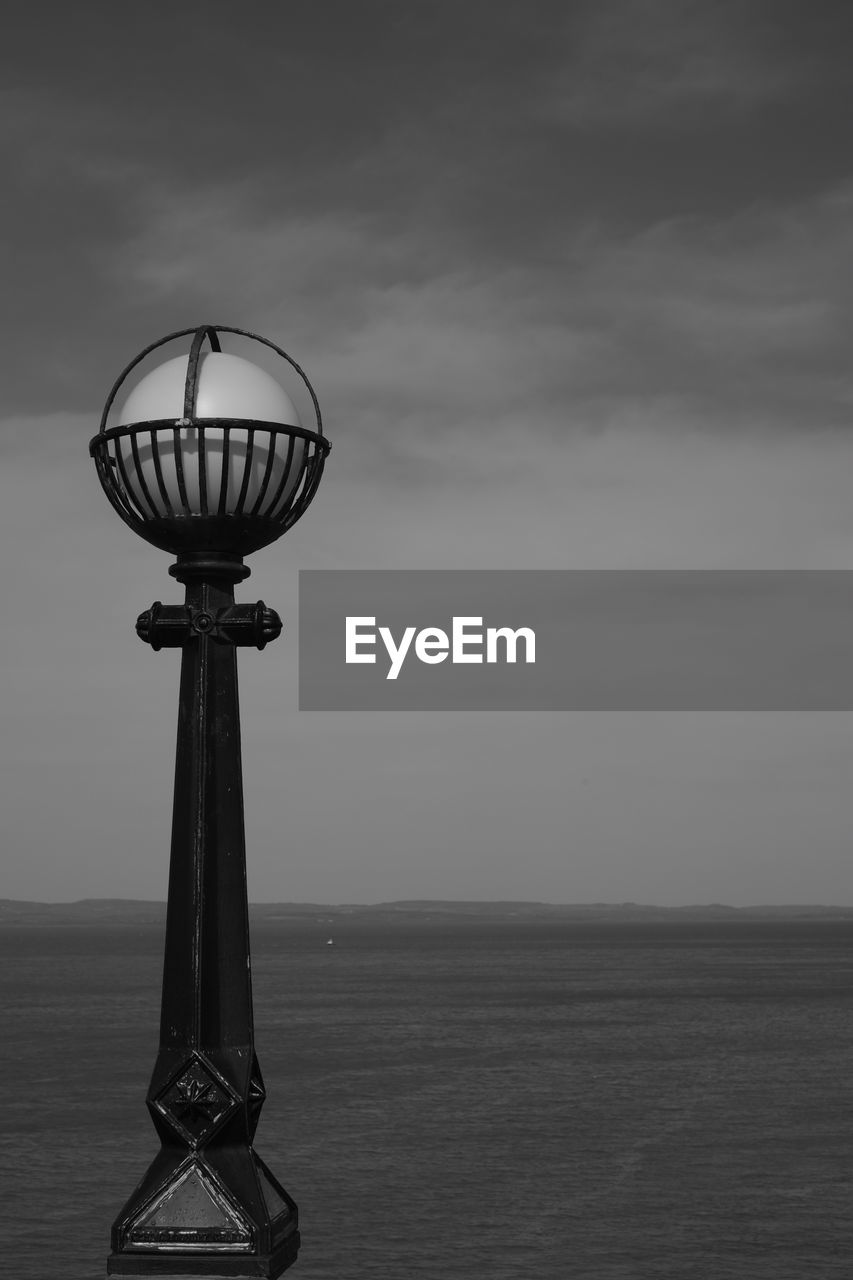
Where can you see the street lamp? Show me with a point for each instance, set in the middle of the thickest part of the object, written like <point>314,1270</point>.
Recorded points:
<point>208,461</point>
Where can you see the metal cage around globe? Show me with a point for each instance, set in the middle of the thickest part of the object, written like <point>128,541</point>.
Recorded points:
<point>208,453</point>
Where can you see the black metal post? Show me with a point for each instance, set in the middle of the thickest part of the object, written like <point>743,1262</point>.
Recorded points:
<point>207,1205</point>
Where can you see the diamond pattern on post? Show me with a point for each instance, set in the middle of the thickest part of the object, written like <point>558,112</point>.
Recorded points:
<point>195,1102</point>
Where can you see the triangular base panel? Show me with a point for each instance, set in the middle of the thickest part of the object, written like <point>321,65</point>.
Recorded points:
<point>191,1214</point>
<point>275,1202</point>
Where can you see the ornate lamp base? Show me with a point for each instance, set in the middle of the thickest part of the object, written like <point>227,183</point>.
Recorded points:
<point>208,1211</point>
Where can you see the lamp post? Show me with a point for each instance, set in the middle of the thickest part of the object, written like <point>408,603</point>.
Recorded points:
<point>208,461</point>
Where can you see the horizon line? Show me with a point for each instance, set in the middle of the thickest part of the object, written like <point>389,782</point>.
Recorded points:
<point>461,902</point>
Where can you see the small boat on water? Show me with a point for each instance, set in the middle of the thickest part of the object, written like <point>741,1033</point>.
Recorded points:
<point>330,943</point>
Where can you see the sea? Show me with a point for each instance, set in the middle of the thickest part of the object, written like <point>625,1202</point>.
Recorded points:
<point>465,1099</point>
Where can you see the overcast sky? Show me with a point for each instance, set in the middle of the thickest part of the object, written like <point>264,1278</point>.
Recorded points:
<point>573,284</point>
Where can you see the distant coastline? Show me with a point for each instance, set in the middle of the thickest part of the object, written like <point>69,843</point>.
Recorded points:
<point>131,911</point>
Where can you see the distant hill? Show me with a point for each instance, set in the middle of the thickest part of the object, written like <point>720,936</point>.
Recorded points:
<point>131,911</point>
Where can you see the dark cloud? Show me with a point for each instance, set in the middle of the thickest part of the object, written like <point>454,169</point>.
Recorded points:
<point>483,137</point>
<point>573,284</point>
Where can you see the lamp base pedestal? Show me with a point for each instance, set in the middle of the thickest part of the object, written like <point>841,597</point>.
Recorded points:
<point>213,1212</point>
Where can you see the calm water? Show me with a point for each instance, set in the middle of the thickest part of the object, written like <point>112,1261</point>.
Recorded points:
<point>477,1102</point>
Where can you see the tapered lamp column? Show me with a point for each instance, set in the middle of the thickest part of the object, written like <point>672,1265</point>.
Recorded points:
<point>209,461</point>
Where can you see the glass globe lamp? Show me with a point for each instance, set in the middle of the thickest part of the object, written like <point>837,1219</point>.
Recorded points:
<point>207,451</point>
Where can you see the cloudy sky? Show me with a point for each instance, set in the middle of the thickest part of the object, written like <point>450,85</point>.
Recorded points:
<point>573,283</point>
